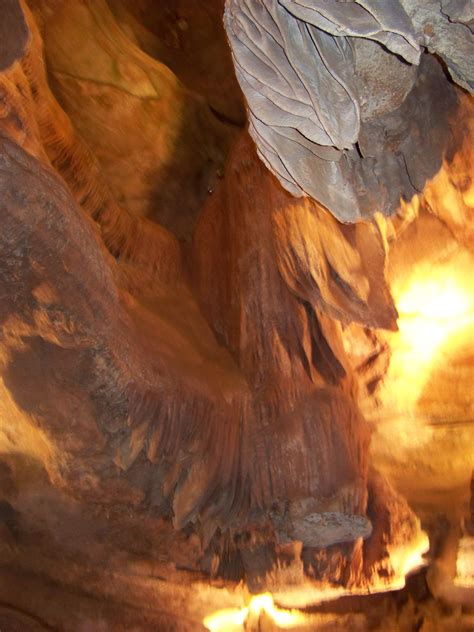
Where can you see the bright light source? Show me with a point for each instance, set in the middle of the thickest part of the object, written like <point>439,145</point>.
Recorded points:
<point>233,619</point>
<point>435,303</point>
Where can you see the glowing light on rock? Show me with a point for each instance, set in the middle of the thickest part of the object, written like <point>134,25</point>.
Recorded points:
<point>226,620</point>
<point>403,559</point>
<point>430,310</point>
<point>465,563</point>
<point>233,619</point>
<point>435,303</point>
<point>408,559</point>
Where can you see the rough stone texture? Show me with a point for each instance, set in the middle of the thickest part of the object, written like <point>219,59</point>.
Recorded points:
<point>450,195</point>
<point>384,80</point>
<point>387,24</point>
<point>13,34</point>
<point>319,85</point>
<point>170,146</point>
<point>147,253</point>
<point>172,414</point>
<point>189,38</point>
<point>446,30</point>
<point>142,403</point>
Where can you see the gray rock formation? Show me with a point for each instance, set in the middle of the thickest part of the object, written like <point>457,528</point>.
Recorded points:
<point>328,88</point>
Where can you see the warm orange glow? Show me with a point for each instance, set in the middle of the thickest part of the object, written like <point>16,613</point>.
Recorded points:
<point>435,303</point>
<point>403,560</point>
<point>226,620</point>
<point>430,310</point>
<point>465,563</point>
<point>407,559</point>
<point>233,619</point>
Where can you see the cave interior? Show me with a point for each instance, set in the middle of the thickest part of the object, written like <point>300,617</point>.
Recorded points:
<point>237,315</point>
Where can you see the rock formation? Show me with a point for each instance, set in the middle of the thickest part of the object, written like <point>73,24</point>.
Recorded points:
<point>185,346</point>
<point>334,91</point>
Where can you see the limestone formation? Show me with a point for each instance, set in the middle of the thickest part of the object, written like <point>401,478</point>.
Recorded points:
<point>334,91</point>
<point>185,346</point>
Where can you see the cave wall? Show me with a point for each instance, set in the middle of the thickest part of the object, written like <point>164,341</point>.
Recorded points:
<point>186,403</point>
<point>178,398</point>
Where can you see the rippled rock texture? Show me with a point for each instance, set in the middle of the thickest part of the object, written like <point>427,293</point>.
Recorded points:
<point>338,94</point>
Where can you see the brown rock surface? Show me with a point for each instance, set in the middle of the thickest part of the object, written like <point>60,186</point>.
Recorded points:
<point>172,412</point>
<point>158,144</point>
<point>188,37</point>
<point>13,34</point>
<point>168,391</point>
